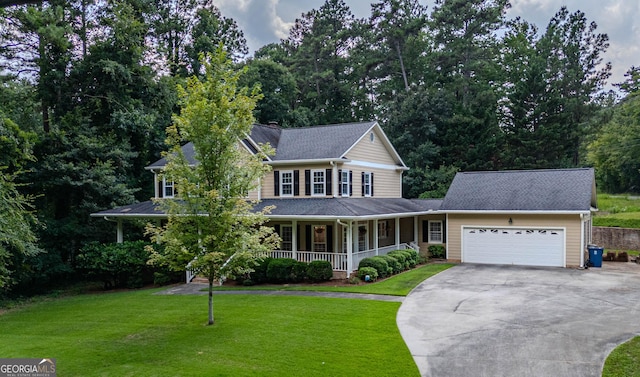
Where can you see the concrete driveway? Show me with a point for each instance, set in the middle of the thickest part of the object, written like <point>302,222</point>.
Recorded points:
<point>481,320</point>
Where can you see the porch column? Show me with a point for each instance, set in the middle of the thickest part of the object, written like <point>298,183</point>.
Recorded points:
<point>397,232</point>
<point>375,235</point>
<point>350,247</point>
<point>415,230</point>
<point>294,239</point>
<point>119,232</point>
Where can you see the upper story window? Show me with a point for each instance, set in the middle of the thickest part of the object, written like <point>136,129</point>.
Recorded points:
<point>367,184</point>
<point>286,183</point>
<point>345,182</point>
<point>318,183</point>
<point>168,190</point>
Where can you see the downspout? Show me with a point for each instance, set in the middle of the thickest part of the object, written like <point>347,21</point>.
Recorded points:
<point>349,245</point>
<point>119,231</point>
<point>582,243</point>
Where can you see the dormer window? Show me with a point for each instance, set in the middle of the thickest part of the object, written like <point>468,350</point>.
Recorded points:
<point>168,190</point>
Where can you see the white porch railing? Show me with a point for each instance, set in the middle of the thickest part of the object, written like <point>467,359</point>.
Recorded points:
<point>338,260</point>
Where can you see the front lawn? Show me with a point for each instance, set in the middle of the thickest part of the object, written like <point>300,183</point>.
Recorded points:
<point>142,334</point>
<point>624,361</point>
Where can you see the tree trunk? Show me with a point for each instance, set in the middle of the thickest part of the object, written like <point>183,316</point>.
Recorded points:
<point>404,72</point>
<point>210,301</point>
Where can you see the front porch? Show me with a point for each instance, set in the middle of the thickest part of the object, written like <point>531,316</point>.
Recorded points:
<point>339,261</point>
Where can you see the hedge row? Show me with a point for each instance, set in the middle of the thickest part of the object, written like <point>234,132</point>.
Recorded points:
<point>382,266</point>
<point>287,270</point>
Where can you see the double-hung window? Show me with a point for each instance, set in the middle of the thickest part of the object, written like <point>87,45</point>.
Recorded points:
<point>367,183</point>
<point>168,190</point>
<point>345,189</point>
<point>286,183</point>
<point>318,182</point>
<point>286,234</point>
<point>435,232</point>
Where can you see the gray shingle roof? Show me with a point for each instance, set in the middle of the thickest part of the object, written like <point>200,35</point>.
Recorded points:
<point>318,207</point>
<point>319,142</point>
<point>189,152</point>
<point>522,190</point>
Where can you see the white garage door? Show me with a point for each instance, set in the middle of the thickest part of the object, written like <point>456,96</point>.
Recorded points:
<point>528,247</point>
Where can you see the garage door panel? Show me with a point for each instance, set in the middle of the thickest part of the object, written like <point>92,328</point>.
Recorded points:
<point>529,247</point>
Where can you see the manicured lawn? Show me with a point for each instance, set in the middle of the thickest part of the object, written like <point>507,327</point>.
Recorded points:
<point>624,361</point>
<point>142,334</point>
<point>397,285</point>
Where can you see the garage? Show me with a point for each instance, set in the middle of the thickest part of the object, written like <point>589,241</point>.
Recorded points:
<point>518,246</point>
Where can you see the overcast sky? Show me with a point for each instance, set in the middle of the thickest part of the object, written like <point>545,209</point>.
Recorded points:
<point>267,21</point>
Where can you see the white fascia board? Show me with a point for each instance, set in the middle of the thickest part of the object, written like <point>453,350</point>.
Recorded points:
<point>376,165</point>
<point>255,145</point>
<point>129,215</point>
<point>502,212</point>
<point>306,162</point>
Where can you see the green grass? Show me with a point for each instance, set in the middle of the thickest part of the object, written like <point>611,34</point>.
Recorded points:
<point>617,211</point>
<point>142,334</point>
<point>624,361</point>
<point>397,285</point>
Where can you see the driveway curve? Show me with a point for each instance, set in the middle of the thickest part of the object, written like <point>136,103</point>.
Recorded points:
<point>482,320</point>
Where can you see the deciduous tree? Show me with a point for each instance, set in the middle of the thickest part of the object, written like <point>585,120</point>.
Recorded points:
<point>211,221</point>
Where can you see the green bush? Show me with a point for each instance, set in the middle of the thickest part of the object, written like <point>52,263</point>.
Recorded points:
<point>403,257</point>
<point>319,270</point>
<point>379,264</point>
<point>259,274</point>
<point>364,271</point>
<point>414,257</point>
<point>437,251</point>
<point>115,264</point>
<point>281,270</point>
<point>299,272</point>
<point>394,264</point>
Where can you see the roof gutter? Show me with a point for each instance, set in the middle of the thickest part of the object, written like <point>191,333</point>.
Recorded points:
<point>506,211</point>
<point>308,162</point>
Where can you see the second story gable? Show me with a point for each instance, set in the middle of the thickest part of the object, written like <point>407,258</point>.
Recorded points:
<point>342,160</point>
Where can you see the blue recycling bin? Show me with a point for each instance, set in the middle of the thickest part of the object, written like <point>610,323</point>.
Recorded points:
<point>595,255</point>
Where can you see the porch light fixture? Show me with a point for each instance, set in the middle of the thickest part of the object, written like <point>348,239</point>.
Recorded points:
<point>510,221</point>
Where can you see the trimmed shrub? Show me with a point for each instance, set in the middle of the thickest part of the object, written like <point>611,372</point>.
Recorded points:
<point>414,257</point>
<point>286,270</point>
<point>394,264</point>
<point>370,271</point>
<point>437,251</point>
<point>379,264</point>
<point>402,257</point>
<point>299,272</point>
<point>280,270</point>
<point>319,270</point>
<point>259,274</point>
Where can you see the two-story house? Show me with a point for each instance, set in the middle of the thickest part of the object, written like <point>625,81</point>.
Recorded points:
<point>337,192</point>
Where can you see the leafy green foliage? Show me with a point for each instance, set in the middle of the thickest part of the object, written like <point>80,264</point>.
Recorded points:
<point>379,264</point>
<point>371,272</point>
<point>117,265</point>
<point>437,251</point>
<point>319,270</point>
<point>286,270</point>
<point>212,222</point>
<point>395,266</point>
